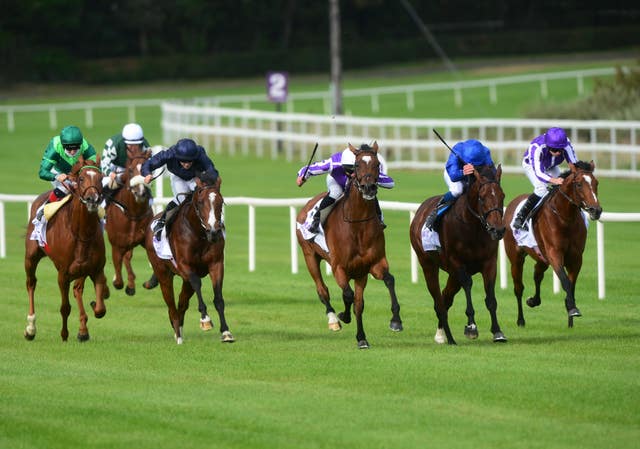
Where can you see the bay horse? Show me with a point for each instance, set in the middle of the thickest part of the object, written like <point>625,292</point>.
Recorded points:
<point>197,240</point>
<point>560,232</point>
<point>469,234</point>
<point>356,244</point>
<point>129,214</point>
<point>75,245</point>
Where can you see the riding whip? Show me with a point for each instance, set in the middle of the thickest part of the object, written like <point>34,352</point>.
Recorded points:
<point>313,153</point>
<point>447,145</point>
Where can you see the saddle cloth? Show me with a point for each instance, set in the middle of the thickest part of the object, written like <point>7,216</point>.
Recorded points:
<point>318,238</point>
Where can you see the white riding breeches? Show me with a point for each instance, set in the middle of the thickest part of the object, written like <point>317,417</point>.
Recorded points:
<point>455,187</point>
<point>181,188</point>
<point>539,187</point>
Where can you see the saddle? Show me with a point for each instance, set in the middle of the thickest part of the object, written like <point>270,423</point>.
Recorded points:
<point>50,209</point>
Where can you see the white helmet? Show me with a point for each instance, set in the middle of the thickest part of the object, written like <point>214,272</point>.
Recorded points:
<point>348,159</point>
<point>132,133</point>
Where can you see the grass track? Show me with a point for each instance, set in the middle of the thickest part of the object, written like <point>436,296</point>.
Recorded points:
<point>290,383</point>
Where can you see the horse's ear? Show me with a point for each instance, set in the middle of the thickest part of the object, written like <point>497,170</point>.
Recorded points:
<point>592,165</point>
<point>375,146</point>
<point>572,167</point>
<point>498,172</point>
<point>352,148</point>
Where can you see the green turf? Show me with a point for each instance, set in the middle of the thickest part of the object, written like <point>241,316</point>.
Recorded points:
<point>288,382</point>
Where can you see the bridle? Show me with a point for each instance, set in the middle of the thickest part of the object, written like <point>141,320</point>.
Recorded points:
<point>482,217</point>
<point>82,196</point>
<point>203,223</point>
<point>356,181</point>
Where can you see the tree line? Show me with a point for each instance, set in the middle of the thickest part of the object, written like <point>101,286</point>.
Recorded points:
<point>124,40</point>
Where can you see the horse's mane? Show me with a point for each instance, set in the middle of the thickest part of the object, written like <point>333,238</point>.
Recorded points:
<point>581,165</point>
<point>486,171</point>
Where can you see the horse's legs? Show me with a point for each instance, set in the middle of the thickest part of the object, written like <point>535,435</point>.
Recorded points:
<point>466,282</point>
<point>188,288</point>
<point>489,277</point>
<point>381,271</point>
<point>65,307</point>
<point>568,282</point>
<point>538,275</point>
<point>347,299</point>
<point>165,278</point>
<point>517,265</point>
<point>313,265</point>
<point>131,276</point>
<point>78,290</point>
<point>31,260</point>
<point>358,309</point>
<point>430,271</point>
<point>100,284</point>
<point>116,255</point>
<point>196,285</point>
<point>218,302</point>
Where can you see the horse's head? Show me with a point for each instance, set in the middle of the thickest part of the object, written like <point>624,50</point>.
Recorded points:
<point>366,170</point>
<point>486,195</point>
<point>208,203</point>
<point>581,186</point>
<point>86,183</point>
<point>132,176</point>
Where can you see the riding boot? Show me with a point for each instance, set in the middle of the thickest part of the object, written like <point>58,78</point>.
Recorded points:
<point>523,215</point>
<point>379,213</point>
<point>157,229</point>
<point>315,224</point>
<point>446,200</point>
<point>55,195</point>
<point>108,193</point>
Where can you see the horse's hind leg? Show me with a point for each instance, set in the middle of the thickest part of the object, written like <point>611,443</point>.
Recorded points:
<point>381,271</point>
<point>32,258</point>
<point>218,302</point>
<point>117,256</point>
<point>517,265</point>
<point>463,280</point>
<point>538,276</point>
<point>78,290</point>
<point>313,265</point>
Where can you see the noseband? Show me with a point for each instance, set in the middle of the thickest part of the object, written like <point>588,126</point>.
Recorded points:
<point>483,218</point>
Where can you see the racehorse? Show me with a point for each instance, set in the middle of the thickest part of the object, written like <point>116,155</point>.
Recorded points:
<point>197,239</point>
<point>469,235</point>
<point>75,244</point>
<point>560,231</point>
<point>129,214</point>
<point>355,239</point>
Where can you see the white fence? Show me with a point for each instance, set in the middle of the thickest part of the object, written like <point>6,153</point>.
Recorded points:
<point>406,143</point>
<point>294,203</point>
<point>374,93</point>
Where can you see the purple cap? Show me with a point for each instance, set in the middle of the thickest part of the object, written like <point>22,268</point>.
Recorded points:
<point>555,138</point>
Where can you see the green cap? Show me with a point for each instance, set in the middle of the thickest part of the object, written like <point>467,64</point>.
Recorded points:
<point>71,135</point>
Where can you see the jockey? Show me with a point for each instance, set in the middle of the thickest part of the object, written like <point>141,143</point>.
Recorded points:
<point>184,161</point>
<point>462,162</point>
<point>114,155</point>
<point>59,157</point>
<point>541,165</point>
<point>340,168</point>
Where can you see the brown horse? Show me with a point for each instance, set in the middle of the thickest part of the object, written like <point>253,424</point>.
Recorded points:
<point>129,214</point>
<point>197,240</point>
<point>75,244</point>
<point>355,240</point>
<point>469,235</point>
<point>560,232</point>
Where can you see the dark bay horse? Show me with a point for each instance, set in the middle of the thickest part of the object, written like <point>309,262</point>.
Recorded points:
<point>129,214</point>
<point>356,244</point>
<point>75,244</point>
<point>560,232</point>
<point>469,233</point>
<point>197,240</point>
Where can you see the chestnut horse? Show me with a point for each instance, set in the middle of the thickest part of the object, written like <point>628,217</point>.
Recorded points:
<point>75,244</point>
<point>129,214</point>
<point>469,235</point>
<point>355,240</point>
<point>560,232</point>
<point>197,239</point>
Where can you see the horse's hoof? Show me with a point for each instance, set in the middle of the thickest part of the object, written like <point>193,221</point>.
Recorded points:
<point>118,285</point>
<point>574,312</point>
<point>83,337</point>
<point>227,337</point>
<point>471,331</point>
<point>395,326</point>
<point>335,327</point>
<point>533,302</point>
<point>363,344</point>
<point>130,291</point>
<point>106,293</point>
<point>499,337</point>
<point>151,283</point>
<point>97,313</point>
<point>29,336</point>
<point>206,324</point>
<point>344,318</point>
<point>520,323</point>
<point>440,337</point>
